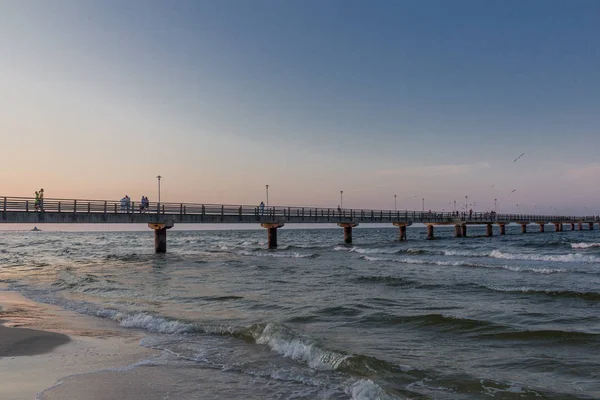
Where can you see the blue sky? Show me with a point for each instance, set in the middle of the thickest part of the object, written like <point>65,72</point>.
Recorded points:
<point>421,99</point>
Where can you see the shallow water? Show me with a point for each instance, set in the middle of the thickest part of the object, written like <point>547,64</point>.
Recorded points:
<point>502,317</point>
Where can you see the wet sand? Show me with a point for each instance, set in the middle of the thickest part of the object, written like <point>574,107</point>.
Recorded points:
<point>42,344</point>
<point>28,342</point>
<point>48,353</point>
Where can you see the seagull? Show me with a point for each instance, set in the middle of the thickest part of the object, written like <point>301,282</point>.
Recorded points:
<point>522,154</point>
<point>513,191</point>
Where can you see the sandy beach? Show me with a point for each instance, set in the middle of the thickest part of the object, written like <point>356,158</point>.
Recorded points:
<point>41,344</point>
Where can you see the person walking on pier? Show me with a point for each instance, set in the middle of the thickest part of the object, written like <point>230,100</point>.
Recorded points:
<point>144,204</point>
<point>470,213</point>
<point>124,204</point>
<point>41,199</point>
<point>262,208</point>
<point>37,201</point>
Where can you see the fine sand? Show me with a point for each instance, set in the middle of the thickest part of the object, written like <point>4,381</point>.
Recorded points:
<point>47,353</point>
<point>41,344</point>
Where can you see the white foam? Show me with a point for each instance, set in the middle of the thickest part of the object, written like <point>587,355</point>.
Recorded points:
<point>341,248</point>
<point>584,245</point>
<point>534,270</point>
<point>283,341</point>
<point>464,264</point>
<point>366,389</point>
<point>536,257</point>
<point>415,261</point>
<point>372,251</point>
<point>276,254</point>
<point>463,253</point>
<point>153,324</point>
<point>524,289</point>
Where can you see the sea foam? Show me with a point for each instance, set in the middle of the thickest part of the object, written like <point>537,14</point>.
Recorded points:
<point>283,341</point>
<point>537,257</point>
<point>584,245</point>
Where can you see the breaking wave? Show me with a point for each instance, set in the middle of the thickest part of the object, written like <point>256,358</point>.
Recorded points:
<point>565,258</point>
<point>584,245</point>
<point>465,264</point>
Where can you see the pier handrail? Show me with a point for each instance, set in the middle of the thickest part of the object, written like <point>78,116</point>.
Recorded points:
<point>61,205</point>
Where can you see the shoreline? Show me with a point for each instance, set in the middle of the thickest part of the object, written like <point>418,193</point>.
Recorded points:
<point>42,344</point>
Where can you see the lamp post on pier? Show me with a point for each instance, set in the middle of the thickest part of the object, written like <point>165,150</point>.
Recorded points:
<point>267,188</point>
<point>395,204</point>
<point>159,178</point>
<point>423,204</point>
<point>454,205</point>
<point>341,198</point>
<point>495,200</point>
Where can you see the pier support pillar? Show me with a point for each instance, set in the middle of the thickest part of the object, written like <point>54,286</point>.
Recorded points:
<point>542,226</point>
<point>430,232</point>
<point>560,227</point>
<point>572,226</point>
<point>591,225</point>
<point>347,230</point>
<point>580,226</point>
<point>272,233</point>
<point>402,233</point>
<point>464,230</point>
<point>523,228</point>
<point>160,235</point>
<point>556,227</point>
<point>402,226</point>
<point>502,229</point>
<point>457,231</point>
<point>488,230</point>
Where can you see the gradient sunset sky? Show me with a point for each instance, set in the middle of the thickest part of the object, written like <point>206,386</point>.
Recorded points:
<point>422,99</point>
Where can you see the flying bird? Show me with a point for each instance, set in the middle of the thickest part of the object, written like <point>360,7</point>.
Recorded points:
<point>513,191</point>
<point>522,154</point>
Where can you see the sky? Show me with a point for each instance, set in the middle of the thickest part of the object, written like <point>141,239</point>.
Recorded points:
<point>419,100</point>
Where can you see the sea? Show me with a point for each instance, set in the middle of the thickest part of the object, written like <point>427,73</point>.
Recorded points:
<point>502,317</point>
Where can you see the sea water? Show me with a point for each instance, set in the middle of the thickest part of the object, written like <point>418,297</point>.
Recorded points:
<point>506,317</point>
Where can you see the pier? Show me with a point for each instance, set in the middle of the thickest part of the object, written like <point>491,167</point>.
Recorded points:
<point>162,216</point>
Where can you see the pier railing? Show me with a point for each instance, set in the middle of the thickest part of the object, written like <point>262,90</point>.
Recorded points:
<point>82,206</point>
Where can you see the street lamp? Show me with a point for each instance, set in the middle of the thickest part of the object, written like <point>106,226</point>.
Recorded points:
<point>454,205</point>
<point>267,187</point>
<point>495,200</point>
<point>423,203</point>
<point>341,198</point>
<point>466,203</point>
<point>395,206</point>
<point>159,178</point>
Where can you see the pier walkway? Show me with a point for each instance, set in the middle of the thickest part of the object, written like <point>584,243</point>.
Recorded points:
<point>163,216</point>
